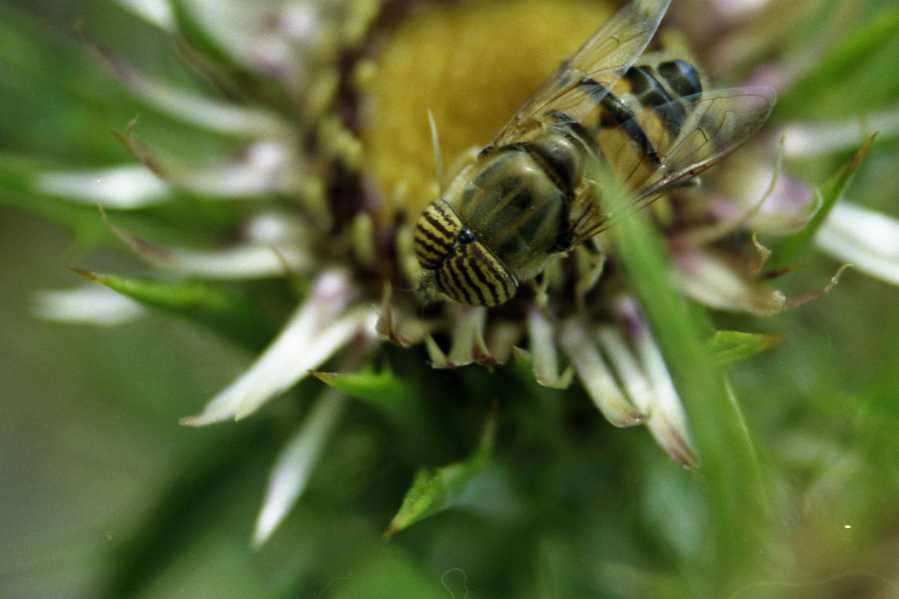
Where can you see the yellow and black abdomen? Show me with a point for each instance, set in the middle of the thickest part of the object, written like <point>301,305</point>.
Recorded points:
<point>637,120</point>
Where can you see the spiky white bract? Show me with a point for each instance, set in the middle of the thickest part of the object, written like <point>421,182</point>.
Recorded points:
<point>708,279</point>
<point>157,12</point>
<point>321,326</point>
<point>119,188</point>
<point>596,377</point>
<point>866,239</point>
<point>295,464</point>
<point>665,417</point>
<point>202,112</point>
<point>92,305</point>
<point>544,353</point>
<point>809,140</point>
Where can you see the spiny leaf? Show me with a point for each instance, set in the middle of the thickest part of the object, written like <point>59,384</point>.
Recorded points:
<point>225,313</point>
<point>729,347</point>
<point>842,61</point>
<point>382,390</point>
<point>15,191</point>
<point>789,249</point>
<point>436,490</point>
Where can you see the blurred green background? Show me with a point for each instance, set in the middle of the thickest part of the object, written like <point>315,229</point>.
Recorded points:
<point>102,494</point>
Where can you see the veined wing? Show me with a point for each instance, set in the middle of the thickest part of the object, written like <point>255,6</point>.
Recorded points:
<point>605,57</point>
<point>720,122</point>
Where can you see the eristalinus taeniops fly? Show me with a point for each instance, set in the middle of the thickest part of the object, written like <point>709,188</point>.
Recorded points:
<point>529,194</point>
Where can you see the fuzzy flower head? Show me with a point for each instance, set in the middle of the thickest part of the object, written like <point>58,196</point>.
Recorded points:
<point>328,160</point>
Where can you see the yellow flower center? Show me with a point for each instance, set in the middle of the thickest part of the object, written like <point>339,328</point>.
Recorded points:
<point>472,64</point>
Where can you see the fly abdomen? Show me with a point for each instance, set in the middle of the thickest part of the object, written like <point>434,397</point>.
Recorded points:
<point>683,78</point>
<point>650,92</point>
<point>614,113</point>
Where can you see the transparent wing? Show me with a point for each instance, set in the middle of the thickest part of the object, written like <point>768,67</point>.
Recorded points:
<point>719,123</point>
<point>606,56</point>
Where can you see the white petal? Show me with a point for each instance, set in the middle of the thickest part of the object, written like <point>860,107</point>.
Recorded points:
<point>318,329</point>
<point>807,140</point>
<point>542,345</point>
<point>710,280</point>
<point>87,305</point>
<point>666,421</point>
<point>157,12</point>
<point>735,9</point>
<point>269,228</point>
<point>295,464</point>
<point>244,30</point>
<point>244,262</point>
<point>866,239</point>
<point>436,356</point>
<point>596,376</point>
<point>268,167</point>
<point>123,188</point>
<point>468,344</point>
<point>239,262</point>
<point>629,371</point>
<point>198,110</point>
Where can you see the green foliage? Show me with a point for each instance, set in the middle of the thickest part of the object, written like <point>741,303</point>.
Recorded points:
<point>382,390</point>
<point>436,490</point>
<point>791,248</point>
<point>225,313</point>
<point>729,347</point>
<point>842,61</point>
<point>104,496</point>
<point>735,489</point>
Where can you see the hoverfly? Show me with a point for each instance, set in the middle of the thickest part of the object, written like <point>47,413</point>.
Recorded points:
<point>528,195</point>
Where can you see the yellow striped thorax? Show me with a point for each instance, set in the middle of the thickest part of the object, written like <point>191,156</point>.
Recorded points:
<point>465,269</point>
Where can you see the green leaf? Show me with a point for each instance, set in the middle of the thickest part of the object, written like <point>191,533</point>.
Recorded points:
<point>842,61</point>
<point>225,313</point>
<point>382,390</point>
<point>729,347</point>
<point>201,38</point>
<point>436,490</point>
<point>188,507</point>
<point>392,573</point>
<point>15,191</point>
<point>789,249</point>
<point>733,483</point>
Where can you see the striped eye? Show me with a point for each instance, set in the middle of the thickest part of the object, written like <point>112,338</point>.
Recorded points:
<point>437,231</point>
<point>474,276</point>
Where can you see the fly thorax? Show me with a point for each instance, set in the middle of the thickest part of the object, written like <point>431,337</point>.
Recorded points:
<point>560,156</point>
<point>515,208</point>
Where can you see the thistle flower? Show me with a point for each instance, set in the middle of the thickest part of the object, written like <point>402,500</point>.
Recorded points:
<point>322,111</point>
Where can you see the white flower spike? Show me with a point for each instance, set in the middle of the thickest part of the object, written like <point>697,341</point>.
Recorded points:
<point>120,188</point>
<point>92,305</point>
<point>321,326</point>
<point>866,239</point>
<point>295,464</point>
